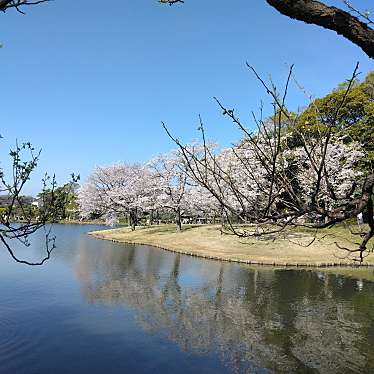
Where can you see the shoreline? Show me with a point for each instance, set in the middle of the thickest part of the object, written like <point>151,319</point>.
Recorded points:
<point>228,248</point>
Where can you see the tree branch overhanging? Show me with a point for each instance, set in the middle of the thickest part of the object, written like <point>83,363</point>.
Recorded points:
<point>328,17</point>
<point>18,4</point>
<point>15,229</point>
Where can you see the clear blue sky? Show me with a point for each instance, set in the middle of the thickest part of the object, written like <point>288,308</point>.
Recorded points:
<point>90,83</point>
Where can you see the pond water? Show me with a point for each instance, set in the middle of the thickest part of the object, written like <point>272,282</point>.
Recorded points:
<point>98,306</point>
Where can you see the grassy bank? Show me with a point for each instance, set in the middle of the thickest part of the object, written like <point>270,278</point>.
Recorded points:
<point>79,222</point>
<point>207,241</point>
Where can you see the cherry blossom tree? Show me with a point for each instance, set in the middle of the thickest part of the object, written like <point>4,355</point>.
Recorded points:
<point>283,174</point>
<point>201,203</point>
<point>271,182</point>
<point>170,179</point>
<point>120,189</point>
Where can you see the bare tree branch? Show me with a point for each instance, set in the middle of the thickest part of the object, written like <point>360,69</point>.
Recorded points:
<point>265,186</point>
<point>18,4</point>
<point>13,228</point>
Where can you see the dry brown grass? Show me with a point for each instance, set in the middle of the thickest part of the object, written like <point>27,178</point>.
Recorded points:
<point>207,241</point>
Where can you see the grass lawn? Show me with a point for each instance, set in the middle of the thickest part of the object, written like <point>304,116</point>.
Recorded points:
<point>207,241</point>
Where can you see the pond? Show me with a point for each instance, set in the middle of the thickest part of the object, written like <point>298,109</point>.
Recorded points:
<point>98,306</point>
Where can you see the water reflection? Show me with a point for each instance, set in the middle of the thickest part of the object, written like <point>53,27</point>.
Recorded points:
<point>256,320</point>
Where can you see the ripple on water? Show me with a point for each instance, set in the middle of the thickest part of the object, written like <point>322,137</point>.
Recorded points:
<point>21,334</point>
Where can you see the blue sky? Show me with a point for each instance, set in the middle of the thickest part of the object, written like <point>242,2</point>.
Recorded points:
<point>90,83</point>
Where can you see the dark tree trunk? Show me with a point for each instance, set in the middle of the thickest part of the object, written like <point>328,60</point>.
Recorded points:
<point>370,233</point>
<point>133,219</point>
<point>222,219</point>
<point>329,17</point>
<point>178,219</point>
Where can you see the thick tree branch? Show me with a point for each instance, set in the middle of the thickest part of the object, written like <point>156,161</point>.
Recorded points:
<point>329,17</point>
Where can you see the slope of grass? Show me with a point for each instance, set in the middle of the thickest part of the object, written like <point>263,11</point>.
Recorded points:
<point>207,241</point>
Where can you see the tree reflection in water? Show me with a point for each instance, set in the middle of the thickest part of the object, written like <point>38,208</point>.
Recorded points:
<point>257,320</point>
